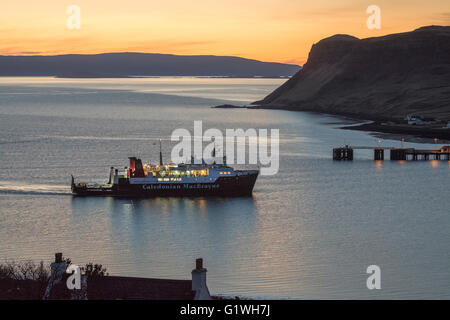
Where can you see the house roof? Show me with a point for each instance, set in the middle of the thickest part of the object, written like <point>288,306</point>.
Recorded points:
<point>102,288</point>
<point>116,288</point>
<point>11,289</point>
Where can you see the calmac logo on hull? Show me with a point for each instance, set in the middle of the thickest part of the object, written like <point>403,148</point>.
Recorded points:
<point>176,187</point>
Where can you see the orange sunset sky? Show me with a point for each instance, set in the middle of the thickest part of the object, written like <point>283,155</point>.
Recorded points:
<point>268,30</point>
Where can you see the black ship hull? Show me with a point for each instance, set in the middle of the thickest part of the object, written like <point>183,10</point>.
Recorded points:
<point>224,187</point>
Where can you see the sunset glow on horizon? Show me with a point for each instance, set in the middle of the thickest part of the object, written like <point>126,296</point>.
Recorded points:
<point>267,30</point>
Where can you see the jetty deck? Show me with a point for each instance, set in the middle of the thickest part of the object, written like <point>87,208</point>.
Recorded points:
<point>347,152</point>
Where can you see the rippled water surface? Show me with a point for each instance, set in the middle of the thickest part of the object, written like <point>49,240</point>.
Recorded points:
<point>308,232</point>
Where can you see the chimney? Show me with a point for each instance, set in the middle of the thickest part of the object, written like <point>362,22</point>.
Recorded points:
<point>132,163</point>
<point>199,281</point>
<point>58,257</point>
<point>57,270</point>
<point>199,264</point>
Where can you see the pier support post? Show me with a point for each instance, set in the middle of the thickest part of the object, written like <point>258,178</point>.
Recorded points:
<point>378,154</point>
<point>398,154</point>
<point>343,153</point>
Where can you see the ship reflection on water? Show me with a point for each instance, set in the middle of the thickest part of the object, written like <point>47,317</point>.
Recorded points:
<point>239,238</point>
<point>159,237</point>
<point>164,207</point>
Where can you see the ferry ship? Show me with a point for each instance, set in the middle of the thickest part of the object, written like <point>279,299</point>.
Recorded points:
<point>146,180</point>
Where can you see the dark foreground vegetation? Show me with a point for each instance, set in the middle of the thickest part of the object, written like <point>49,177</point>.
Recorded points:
<point>28,281</point>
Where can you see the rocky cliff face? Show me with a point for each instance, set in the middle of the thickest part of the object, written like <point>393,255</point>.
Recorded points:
<point>375,78</point>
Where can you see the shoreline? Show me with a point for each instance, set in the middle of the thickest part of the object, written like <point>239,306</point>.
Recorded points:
<point>397,132</point>
<point>380,127</point>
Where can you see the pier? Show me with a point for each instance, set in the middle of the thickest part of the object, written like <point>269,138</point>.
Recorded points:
<point>405,154</point>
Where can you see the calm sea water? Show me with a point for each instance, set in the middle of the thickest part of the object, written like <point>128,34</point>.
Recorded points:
<point>309,232</point>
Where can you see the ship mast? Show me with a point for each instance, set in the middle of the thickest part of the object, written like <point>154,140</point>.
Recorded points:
<point>160,154</point>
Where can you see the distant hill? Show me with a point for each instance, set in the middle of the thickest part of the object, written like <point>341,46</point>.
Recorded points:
<point>375,78</point>
<point>140,64</point>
